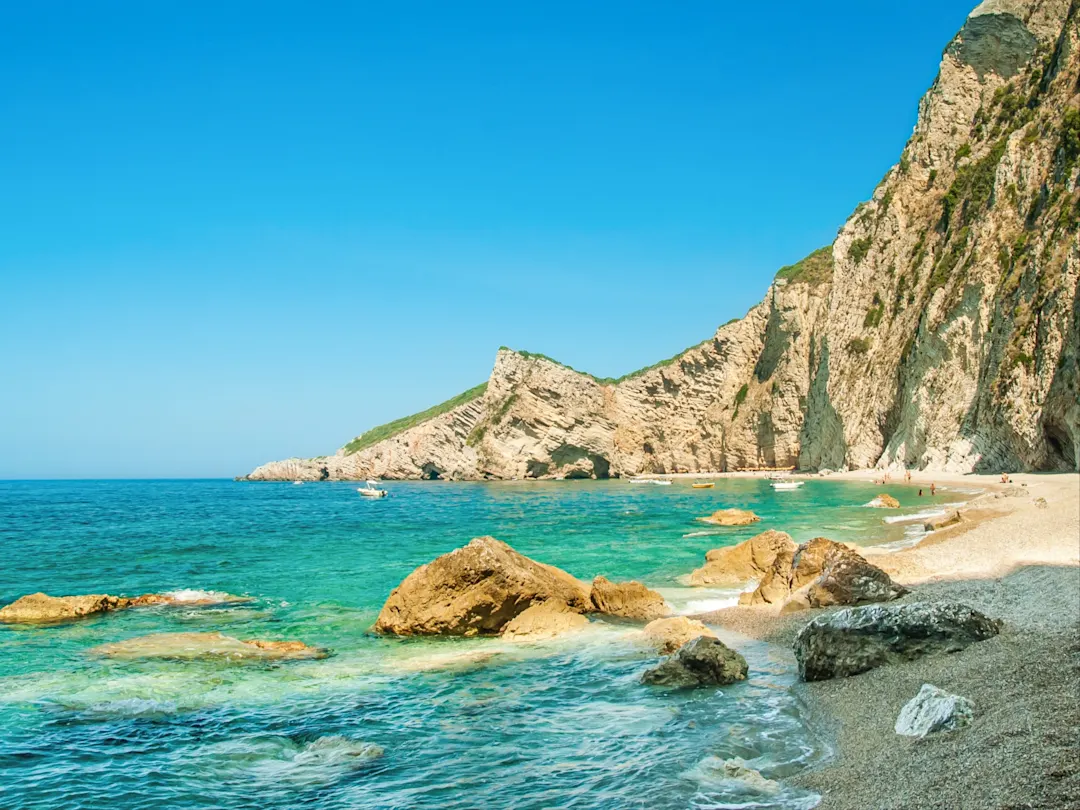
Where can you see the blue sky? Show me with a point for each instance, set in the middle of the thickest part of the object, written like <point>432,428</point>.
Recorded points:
<point>233,232</point>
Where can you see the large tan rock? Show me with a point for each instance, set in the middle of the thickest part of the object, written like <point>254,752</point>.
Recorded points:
<point>750,559</point>
<point>819,574</point>
<point>207,645</point>
<point>884,501</point>
<point>40,608</point>
<point>731,517</point>
<point>629,600</point>
<point>542,622</point>
<point>476,589</point>
<point>667,635</point>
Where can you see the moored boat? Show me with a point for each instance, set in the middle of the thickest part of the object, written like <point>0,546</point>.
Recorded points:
<point>371,490</point>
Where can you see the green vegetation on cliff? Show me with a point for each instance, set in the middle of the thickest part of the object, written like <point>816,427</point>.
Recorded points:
<point>391,429</point>
<point>815,269</point>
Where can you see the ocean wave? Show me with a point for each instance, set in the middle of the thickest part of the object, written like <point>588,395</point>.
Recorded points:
<point>282,759</point>
<point>195,595</point>
<point>915,516</point>
<point>133,707</point>
<point>709,533</point>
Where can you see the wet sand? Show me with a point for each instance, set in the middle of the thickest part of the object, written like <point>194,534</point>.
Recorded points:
<point>1014,559</point>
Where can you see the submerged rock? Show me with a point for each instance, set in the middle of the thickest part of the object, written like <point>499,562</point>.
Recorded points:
<point>475,590</point>
<point>884,501</point>
<point>731,517</point>
<point>208,645</point>
<point>668,635</point>
<point>859,639</point>
<point>544,621</point>
<point>821,573</point>
<point>933,710</point>
<point>702,661</point>
<point>630,600</point>
<point>750,559</point>
<point>40,608</point>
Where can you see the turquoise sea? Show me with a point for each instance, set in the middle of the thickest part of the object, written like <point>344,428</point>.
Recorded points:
<point>461,723</point>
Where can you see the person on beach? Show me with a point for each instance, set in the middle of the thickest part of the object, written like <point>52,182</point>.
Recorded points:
<point>907,476</point>
<point>920,493</point>
<point>933,487</point>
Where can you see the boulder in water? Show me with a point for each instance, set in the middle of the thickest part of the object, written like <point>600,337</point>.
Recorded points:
<point>207,645</point>
<point>821,573</point>
<point>884,501</point>
<point>475,590</point>
<point>40,608</point>
<point>943,522</point>
<point>629,600</point>
<point>859,639</point>
<point>667,635</point>
<point>750,559</point>
<point>544,621</point>
<point>731,517</point>
<point>702,661</point>
<point>933,710</point>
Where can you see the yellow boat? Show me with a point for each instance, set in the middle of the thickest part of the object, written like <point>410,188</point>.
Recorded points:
<point>708,485</point>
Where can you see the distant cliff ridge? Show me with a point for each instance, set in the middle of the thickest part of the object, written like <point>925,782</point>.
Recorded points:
<point>940,330</point>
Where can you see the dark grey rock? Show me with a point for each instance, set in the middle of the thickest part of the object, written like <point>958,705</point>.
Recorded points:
<point>859,639</point>
<point>702,661</point>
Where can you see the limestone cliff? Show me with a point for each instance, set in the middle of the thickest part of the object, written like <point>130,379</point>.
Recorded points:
<point>940,330</point>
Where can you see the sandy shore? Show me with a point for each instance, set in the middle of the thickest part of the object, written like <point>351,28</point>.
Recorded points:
<point>1014,558</point>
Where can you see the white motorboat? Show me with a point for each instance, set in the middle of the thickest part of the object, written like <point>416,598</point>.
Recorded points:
<point>371,490</point>
<point>660,482</point>
<point>297,483</point>
<point>786,484</point>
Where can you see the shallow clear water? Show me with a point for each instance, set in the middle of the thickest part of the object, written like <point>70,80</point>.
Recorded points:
<point>460,723</point>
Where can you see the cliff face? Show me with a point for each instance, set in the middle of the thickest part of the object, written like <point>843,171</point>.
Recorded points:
<point>940,330</point>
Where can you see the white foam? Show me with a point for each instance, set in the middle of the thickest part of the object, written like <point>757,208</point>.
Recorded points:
<point>193,595</point>
<point>133,707</point>
<point>915,516</point>
<point>709,533</point>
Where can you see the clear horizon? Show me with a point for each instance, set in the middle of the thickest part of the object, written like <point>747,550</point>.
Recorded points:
<point>243,233</point>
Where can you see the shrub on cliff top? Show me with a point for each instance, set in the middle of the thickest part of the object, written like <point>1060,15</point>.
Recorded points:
<point>391,429</point>
<point>817,268</point>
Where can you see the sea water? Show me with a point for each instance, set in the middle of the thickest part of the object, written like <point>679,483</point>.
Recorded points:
<point>387,723</point>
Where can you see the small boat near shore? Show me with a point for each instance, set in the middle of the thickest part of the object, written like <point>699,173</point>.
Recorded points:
<point>705,485</point>
<point>782,485</point>
<point>371,490</point>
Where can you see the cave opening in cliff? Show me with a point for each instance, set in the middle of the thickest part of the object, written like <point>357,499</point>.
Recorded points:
<point>430,472</point>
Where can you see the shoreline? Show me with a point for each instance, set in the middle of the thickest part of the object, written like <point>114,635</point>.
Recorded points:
<point>1014,559</point>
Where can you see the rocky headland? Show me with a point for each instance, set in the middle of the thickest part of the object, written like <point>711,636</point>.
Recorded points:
<point>940,330</point>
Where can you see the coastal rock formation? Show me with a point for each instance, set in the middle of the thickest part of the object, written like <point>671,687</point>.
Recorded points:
<point>859,639</point>
<point>750,559</point>
<point>542,622</point>
<point>943,522</point>
<point>819,574</point>
<point>940,330</point>
<point>703,661</point>
<point>208,645</point>
<point>731,517</point>
<point>474,590</point>
<point>668,635</point>
<point>884,501</point>
<point>933,710</point>
<point>629,600</point>
<point>40,608</point>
